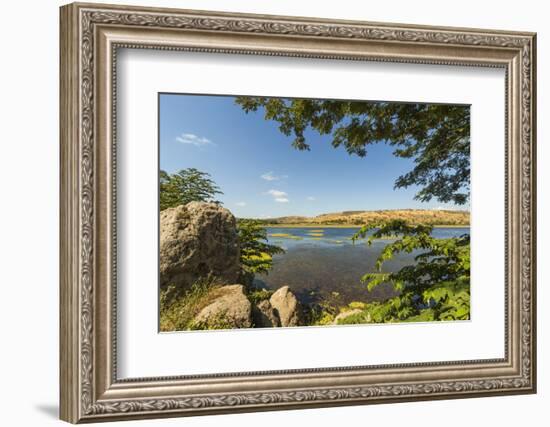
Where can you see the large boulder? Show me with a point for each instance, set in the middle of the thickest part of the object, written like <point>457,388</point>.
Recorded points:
<point>287,307</point>
<point>264,316</point>
<point>229,309</point>
<point>198,240</point>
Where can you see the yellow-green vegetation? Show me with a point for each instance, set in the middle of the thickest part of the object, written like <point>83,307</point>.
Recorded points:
<point>178,309</point>
<point>324,318</point>
<point>262,256</point>
<point>257,295</point>
<point>256,253</point>
<point>316,234</point>
<point>384,312</point>
<point>285,236</point>
<point>357,305</point>
<point>323,312</point>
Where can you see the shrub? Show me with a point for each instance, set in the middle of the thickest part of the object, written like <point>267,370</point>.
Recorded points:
<point>436,287</point>
<point>257,295</point>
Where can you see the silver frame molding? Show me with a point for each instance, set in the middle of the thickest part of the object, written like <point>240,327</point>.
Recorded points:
<point>90,37</point>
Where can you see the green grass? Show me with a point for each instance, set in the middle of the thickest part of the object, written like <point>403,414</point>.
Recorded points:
<point>178,309</point>
<point>218,322</point>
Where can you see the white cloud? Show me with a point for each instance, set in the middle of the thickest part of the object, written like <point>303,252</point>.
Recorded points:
<point>192,139</point>
<point>277,193</point>
<point>310,198</point>
<point>278,196</point>
<point>270,176</point>
<point>240,204</point>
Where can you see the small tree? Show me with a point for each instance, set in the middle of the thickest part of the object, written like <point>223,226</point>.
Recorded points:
<point>187,185</point>
<point>256,253</point>
<point>436,287</point>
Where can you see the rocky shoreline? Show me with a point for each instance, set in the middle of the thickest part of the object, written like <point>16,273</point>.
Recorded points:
<point>233,309</point>
<point>202,283</point>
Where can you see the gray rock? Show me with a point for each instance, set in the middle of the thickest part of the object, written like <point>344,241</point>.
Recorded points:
<point>198,240</point>
<point>264,316</point>
<point>346,314</point>
<point>229,309</point>
<point>287,307</point>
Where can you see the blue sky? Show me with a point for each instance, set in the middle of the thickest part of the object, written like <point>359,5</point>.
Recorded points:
<point>260,173</point>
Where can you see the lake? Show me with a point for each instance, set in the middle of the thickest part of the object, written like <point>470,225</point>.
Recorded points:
<point>320,261</point>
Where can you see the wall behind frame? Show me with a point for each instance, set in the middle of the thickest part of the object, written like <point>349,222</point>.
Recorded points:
<point>29,171</point>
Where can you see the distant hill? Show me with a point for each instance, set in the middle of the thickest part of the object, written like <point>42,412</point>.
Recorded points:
<point>413,216</point>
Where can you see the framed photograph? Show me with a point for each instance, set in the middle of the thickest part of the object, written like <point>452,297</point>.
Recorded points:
<point>265,213</point>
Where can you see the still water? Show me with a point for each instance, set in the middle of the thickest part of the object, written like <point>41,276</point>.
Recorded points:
<point>324,262</point>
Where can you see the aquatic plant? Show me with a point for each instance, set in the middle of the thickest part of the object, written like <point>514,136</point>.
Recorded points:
<point>285,236</point>
<point>315,234</point>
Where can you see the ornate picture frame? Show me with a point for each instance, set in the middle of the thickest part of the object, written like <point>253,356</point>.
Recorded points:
<point>90,37</point>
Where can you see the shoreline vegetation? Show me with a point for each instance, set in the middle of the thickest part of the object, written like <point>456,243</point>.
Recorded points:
<point>348,219</point>
<point>313,226</point>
